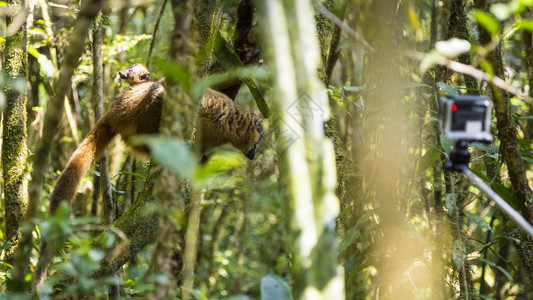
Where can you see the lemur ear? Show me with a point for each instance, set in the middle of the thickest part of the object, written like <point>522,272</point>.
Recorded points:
<point>145,77</point>
<point>259,125</point>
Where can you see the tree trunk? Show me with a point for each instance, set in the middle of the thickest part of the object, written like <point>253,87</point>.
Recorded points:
<point>14,133</point>
<point>170,191</point>
<point>509,148</point>
<point>88,11</point>
<point>307,165</point>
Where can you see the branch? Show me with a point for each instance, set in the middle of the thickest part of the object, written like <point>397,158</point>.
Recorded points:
<point>345,28</point>
<point>469,70</point>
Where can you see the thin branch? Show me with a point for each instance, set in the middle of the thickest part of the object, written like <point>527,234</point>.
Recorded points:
<point>156,28</point>
<point>471,71</point>
<point>339,23</point>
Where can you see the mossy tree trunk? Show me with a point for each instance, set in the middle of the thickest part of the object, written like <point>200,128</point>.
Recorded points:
<point>170,191</point>
<point>510,149</point>
<point>14,135</point>
<point>307,166</point>
<point>88,11</point>
<point>457,27</point>
<point>348,188</point>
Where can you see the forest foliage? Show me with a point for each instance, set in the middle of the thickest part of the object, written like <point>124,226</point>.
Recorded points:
<point>347,197</point>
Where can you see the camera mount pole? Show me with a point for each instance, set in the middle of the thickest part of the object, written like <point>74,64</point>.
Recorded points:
<point>502,204</point>
<point>458,163</point>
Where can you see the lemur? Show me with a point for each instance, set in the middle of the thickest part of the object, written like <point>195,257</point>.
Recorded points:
<point>138,111</point>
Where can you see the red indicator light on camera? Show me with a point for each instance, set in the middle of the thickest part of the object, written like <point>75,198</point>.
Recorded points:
<point>454,107</point>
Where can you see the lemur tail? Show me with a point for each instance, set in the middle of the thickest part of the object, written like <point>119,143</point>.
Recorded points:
<point>80,162</point>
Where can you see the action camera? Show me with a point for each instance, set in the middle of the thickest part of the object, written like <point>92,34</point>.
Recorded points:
<point>466,118</point>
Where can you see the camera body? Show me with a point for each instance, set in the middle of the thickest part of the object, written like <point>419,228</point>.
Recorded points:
<point>466,118</point>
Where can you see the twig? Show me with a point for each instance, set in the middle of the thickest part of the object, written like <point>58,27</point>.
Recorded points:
<point>471,71</point>
<point>339,23</point>
<point>156,28</point>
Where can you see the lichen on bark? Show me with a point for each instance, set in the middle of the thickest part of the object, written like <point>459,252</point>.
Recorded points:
<point>14,134</point>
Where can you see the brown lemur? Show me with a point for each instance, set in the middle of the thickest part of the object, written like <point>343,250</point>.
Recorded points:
<point>138,111</point>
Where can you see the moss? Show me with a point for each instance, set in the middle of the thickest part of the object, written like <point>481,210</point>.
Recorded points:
<point>347,171</point>
<point>14,136</point>
<point>324,33</point>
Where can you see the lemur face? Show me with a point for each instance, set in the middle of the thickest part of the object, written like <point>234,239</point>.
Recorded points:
<point>135,74</point>
<point>258,126</point>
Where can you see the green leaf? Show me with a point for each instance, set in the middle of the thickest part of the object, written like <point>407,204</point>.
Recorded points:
<point>487,67</point>
<point>493,265</point>
<point>274,287</point>
<point>237,297</point>
<point>351,236</point>
<point>174,72</point>
<point>63,212</point>
<point>446,143</point>
<point>107,239</point>
<point>2,263</point>
<point>485,147</point>
<point>229,60</point>
<point>353,88</point>
<point>487,21</point>
<point>459,253</point>
<point>509,277</point>
<point>96,173</point>
<point>45,65</point>
<point>449,90</point>
<point>410,85</point>
<point>221,161</point>
<point>528,159</point>
<point>526,24</point>
<point>449,201</point>
<point>6,245</point>
<point>500,189</point>
<point>428,160</point>
<point>131,174</point>
<point>478,220</point>
<point>169,152</point>
<point>230,76</point>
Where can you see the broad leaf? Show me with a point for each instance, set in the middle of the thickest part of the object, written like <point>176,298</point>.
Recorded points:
<point>449,90</point>
<point>487,21</point>
<point>478,220</point>
<point>410,85</point>
<point>459,253</point>
<point>169,152</point>
<point>428,160</point>
<point>229,60</point>
<point>175,72</point>
<point>493,265</point>
<point>274,287</point>
<point>46,66</point>
<point>353,88</point>
<point>446,143</point>
<point>218,163</point>
<point>449,201</point>
<point>485,147</point>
